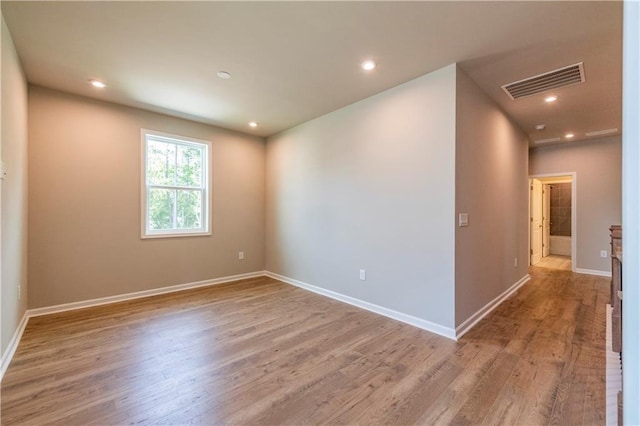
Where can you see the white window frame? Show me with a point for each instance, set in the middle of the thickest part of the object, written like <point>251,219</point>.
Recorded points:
<point>205,230</point>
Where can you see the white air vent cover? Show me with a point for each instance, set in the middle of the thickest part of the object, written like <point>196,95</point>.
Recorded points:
<point>543,141</point>
<point>567,76</point>
<point>602,132</point>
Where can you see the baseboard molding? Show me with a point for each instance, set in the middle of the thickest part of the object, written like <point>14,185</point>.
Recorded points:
<point>593,272</point>
<point>380,310</point>
<point>7,356</point>
<point>484,311</point>
<point>139,294</point>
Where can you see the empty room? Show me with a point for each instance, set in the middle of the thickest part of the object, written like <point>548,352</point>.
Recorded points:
<point>288,213</point>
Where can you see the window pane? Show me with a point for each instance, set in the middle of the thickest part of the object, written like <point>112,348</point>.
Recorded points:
<point>161,202</point>
<point>189,210</point>
<point>189,167</point>
<point>161,163</point>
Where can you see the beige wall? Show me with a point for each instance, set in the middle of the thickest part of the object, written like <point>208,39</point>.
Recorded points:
<point>491,187</point>
<point>13,210</point>
<point>371,186</point>
<point>84,212</point>
<point>598,167</point>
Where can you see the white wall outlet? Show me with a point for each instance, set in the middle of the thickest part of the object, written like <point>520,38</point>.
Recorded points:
<point>463,219</point>
<point>603,253</point>
<point>515,262</point>
<point>363,274</point>
<point>19,291</point>
<point>241,255</point>
<point>3,170</point>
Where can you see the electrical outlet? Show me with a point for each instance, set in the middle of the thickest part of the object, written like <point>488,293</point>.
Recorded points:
<point>603,253</point>
<point>363,274</point>
<point>19,291</point>
<point>515,262</point>
<point>241,255</point>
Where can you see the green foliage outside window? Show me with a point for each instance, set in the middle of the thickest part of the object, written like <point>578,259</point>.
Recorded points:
<point>175,180</point>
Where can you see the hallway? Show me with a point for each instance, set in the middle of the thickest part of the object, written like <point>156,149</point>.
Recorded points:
<point>555,262</point>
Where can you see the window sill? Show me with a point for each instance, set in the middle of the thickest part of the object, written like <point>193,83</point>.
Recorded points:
<point>175,235</point>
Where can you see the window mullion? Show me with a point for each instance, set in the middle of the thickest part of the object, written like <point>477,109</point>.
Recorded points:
<point>172,187</point>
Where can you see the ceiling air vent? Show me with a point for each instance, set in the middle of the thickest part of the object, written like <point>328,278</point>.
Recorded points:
<point>602,132</point>
<point>543,141</point>
<point>567,76</point>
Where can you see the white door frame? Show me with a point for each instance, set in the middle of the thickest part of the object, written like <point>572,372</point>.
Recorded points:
<point>546,219</point>
<point>574,211</point>
<point>535,226</point>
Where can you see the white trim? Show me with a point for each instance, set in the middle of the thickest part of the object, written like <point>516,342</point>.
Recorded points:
<point>7,356</point>
<point>486,309</point>
<point>593,272</point>
<point>207,199</point>
<point>631,211</point>
<point>574,212</point>
<point>380,310</point>
<point>139,294</point>
<point>613,375</point>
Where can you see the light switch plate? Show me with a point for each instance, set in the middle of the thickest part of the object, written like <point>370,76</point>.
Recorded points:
<point>463,219</point>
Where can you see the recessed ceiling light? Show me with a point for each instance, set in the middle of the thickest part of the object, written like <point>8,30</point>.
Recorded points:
<point>368,65</point>
<point>569,135</point>
<point>551,98</point>
<point>223,75</point>
<point>98,84</point>
<point>253,124</point>
<point>540,126</point>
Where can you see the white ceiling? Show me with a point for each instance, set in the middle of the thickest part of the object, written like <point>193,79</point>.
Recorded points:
<point>294,61</point>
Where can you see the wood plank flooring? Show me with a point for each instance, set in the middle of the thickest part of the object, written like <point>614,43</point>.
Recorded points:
<point>555,261</point>
<point>263,352</point>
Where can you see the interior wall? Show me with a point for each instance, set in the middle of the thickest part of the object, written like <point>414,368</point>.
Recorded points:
<point>597,164</point>
<point>84,195</point>
<point>13,207</point>
<point>370,186</point>
<point>491,187</point>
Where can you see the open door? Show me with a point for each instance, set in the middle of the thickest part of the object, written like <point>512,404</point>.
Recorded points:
<point>546,219</point>
<point>536,221</point>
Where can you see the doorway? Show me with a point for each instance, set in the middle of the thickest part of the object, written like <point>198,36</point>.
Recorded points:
<point>552,221</point>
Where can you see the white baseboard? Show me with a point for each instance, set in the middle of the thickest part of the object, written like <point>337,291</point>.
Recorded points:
<point>484,311</point>
<point>13,344</point>
<point>7,356</point>
<point>380,310</point>
<point>139,294</point>
<point>613,375</point>
<point>593,272</point>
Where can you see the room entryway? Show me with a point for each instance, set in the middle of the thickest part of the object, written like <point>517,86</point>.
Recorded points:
<point>552,230</point>
<point>555,262</point>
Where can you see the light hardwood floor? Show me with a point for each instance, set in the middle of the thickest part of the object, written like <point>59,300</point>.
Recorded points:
<point>555,261</point>
<point>263,352</point>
